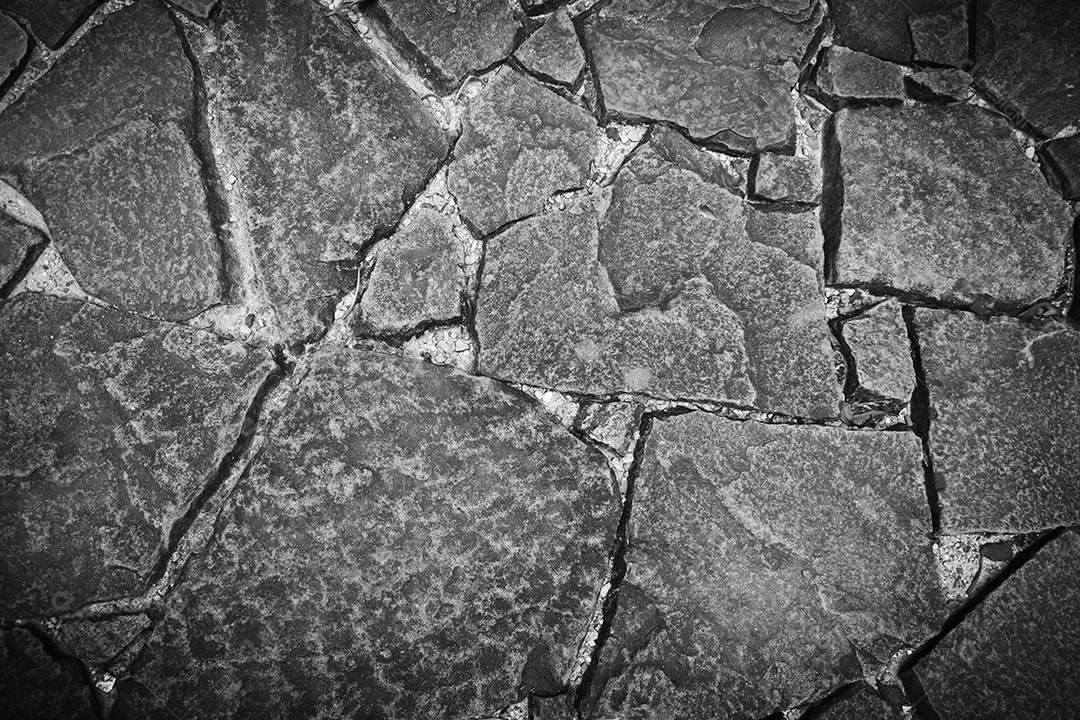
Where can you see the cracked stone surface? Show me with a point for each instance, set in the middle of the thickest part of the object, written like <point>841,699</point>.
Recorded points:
<point>902,232</point>
<point>785,178</point>
<point>1004,398</point>
<point>12,47</point>
<point>878,340</point>
<point>403,561</point>
<point>1015,654</point>
<point>721,71</point>
<point>34,685</point>
<point>520,143</point>
<point>16,240</point>
<point>113,425</point>
<point>751,585</point>
<point>554,50</point>
<point>853,76</point>
<point>859,704</point>
<point>51,20</point>
<point>939,85</point>
<point>881,27</point>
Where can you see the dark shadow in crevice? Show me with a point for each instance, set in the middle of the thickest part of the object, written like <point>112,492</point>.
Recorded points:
<point>832,197</point>
<point>921,415</point>
<point>591,70</point>
<point>33,252</point>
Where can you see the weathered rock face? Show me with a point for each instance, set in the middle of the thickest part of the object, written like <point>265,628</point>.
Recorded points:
<point>520,143</point>
<point>941,37</point>
<point>1029,60</point>
<point>939,85</point>
<point>16,240</point>
<point>879,343</point>
<point>881,27</point>
<point>12,47</point>
<point>1004,398</point>
<point>686,292</point>
<point>1015,654</point>
<point>408,539</point>
<point>848,76</point>
<point>1065,157</point>
<point>554,50</point>
<point>326,144</point>
<point>455,38</point>
<point>785,178</point>
<point>722,72</point>
<point>112,425</point>
<point>762,558</point>
<point>52,20</point>
<point>902,173</point>
<point>35,686</point>
<point>417,277</point>
<point>860,704</point>
<point>197,8</point>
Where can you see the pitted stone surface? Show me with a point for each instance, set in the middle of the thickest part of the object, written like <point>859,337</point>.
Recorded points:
<point>679,262</point>
<point>722,72</point>
<point>12,47</point>
<point>456,37</point>
<point>1029,60</point>
<point>520,143</point>
<point>880,27</point>
<point>35,686</point>
<point>409,537</point>
<point>1004,398</point>
<point>941,37</point>
<point>16,240</point>
<point>761,559</point>
<point>113,424</point>
<point>853,76</point>
<point>417,277</point>
<point>904,172</point>
<point>940,85</point>
<point>879,343</point>
<point>785,178</point>
<point>326,142</point>
<point>859,704</point>
<point>554,50</point>
<point>1014,655</point>
<point>51,20</point>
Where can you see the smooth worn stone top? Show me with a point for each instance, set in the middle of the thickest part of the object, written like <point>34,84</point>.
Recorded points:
<point>12,47</point>
<point>722,72</point>
<point>941,202</point>
<point>113,425</point>
<point>764,560</point>
<point>878,340</point>
<point>880,27</point>
<point>1014,655</point>
<point>52,21</point>
<point>408,540</point>
<point>849,75</point>
<point>33,684</point>
<point>1029,60</point>
<point>456,37</point>
<point>520,143</point>
<point>327,146</point>
<point>554,50</point>
<point>1004,399</point>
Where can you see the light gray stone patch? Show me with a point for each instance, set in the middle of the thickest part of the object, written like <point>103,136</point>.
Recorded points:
<point>554,50</point>
<point>786,178</point>
<point>847,76</point>
<point>879,343</point>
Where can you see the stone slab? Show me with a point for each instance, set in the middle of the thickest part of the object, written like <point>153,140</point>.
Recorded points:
<point>16,241</point>
<point>197,8</point>
<point>35,686</point>
<point>113,424</point>
<point>327,146</point>
<point>860,703</point>
<point>554,50</point>
<point>942,36</point>
<point>1005,249</point>
<point>1014,655</point>
<point>850,76</point>
<point>408,539</point>
<point>520,143</point>
<point>940,85</point>
<point>52,21</point>
<point>1004,398</point>
<point>13,46</point>
<point>878,340</point>
<point>786,178</point>
<point>880,27</point>
<point>1065,156</point>
<point>723,73</point>
<point>764,560</point>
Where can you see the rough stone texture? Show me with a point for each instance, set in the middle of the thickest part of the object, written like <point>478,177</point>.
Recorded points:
<point>163,260</point>
<point>724,73</point>
<point>1029,60</point>
<point>457,37</point>
<point>554,50</point>
<point>36,687</point>
<point>1065,157</point>
<point>860,704</point>
<point>762,559</point>
<point>12,47</point>
<point>198,8</point>
<point>52,21</point>
<point>1014,655</point>
<point>112,425</point>
<point>905,171</point>
<point>879,343</point>
<point>854,76</point>
<point>941,37</point>
<point>98,641</point>
<point>417,277</point>
<point>1004,398</point>
<point>880,27</point>
<point>410,536</point>
<point>944,85</point>
<point>16,240</point>
<point>520,143</point>
<point>785,178</point>
<point>611,423</point>
<point>326,145</point>
<point>679,262</point>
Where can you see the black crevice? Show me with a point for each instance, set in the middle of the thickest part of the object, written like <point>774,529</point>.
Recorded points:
<point>921,415</point>
<point>32,254</point>
<point>983,306</point>
<point>590,60</point>
<point>851,377</point>
<point>832,197</point>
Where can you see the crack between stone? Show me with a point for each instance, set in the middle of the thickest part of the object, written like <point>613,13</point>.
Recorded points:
<point>921,414</point>
<point>590,62</point>
<point>32,254</point>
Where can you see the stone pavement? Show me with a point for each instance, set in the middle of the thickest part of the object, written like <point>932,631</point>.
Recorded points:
<point>593,360</point>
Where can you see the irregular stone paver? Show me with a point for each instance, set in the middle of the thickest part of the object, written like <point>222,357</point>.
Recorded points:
<point>456,38</point>
<point>554,50</point>
<point>860,704</point>
<point>113,424</point>
<point>52,21</point>
<point>904,172</point>
<point>163,260</point>
<point>12,47</point>
<point>1065,156</point>
<point>879,343</point>
<point>520,143</point>
<point>880,27</point>
<point>854,76</point>
<point>417,277</point>
<point>723,73</point>
<point>326,145</point>
<point>785,178</point>
<point>1004,398</point>
<point>940,85</point>
<point>1028,59</point>
<point>409,537</point>
<point>199,8</point>
<point>941,37</point>
<point>35,686</point>
<point>761,559</point>
<point>1014,655</point>
<point>16,240</point>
